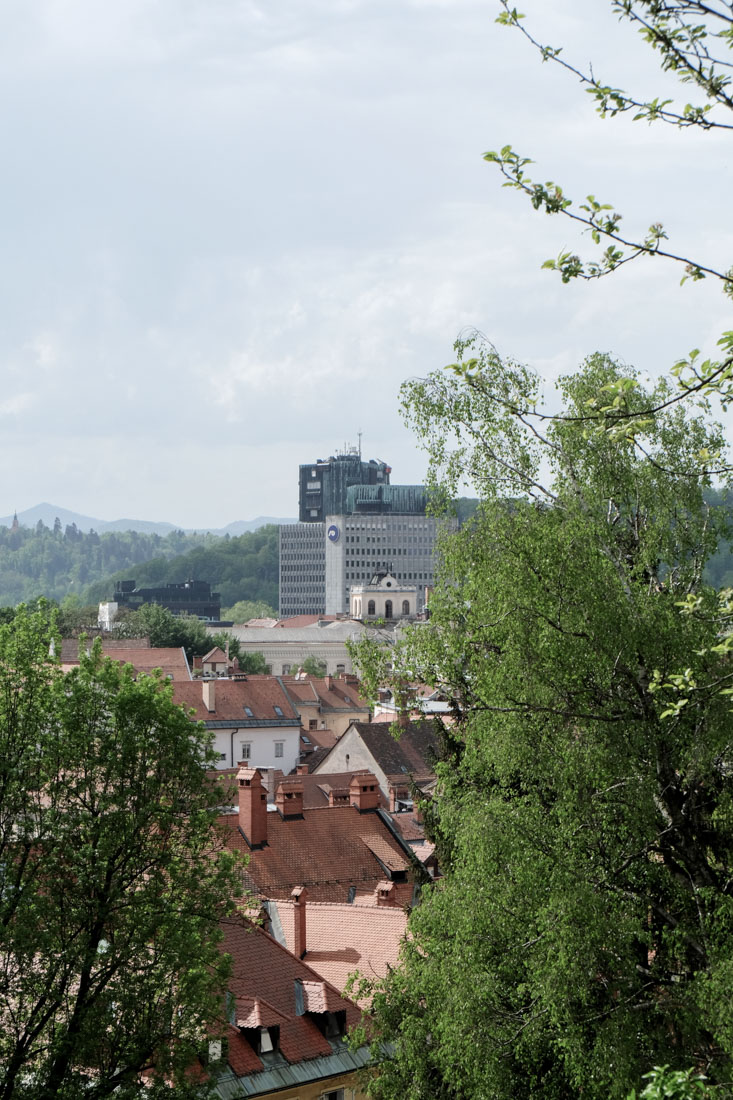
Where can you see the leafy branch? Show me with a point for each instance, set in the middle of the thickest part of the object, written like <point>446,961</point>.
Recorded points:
<point>601,221</point>
<point>683,49</point>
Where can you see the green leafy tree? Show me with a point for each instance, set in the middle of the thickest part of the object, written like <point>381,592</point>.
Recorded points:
<point>113,880</point>
<point>585,818</point>
<point>313,667</point>
<point>165,629</point>
<point>244,610</point>
<point>253,663</point>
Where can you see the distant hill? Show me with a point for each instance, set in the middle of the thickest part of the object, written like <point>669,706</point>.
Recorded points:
<point>47,514</point>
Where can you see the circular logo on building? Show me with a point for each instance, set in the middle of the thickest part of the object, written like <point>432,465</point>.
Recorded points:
<point>333,533</point>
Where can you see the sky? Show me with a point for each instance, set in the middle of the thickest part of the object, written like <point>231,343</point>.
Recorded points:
<point>233,228</point>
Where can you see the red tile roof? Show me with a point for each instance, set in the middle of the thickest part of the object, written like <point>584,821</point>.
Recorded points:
<point>263,983</point>
<point>342,938</point>
<point>261,694</point>
<point>171,661</point>
<point>298,621</point>
<point>316,788</point>
<point>328,693</point>
<point>330,850</point>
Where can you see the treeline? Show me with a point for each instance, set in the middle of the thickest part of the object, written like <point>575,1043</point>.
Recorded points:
<point>59,562</point>
<point>245,567</point>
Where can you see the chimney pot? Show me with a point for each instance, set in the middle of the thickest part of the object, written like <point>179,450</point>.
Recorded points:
<point>289,798</point>
<point>364,791</point>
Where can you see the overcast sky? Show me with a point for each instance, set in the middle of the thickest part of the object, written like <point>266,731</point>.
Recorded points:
<point>232,228</point>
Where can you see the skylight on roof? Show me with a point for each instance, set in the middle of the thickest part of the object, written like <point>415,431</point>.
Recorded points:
<point>278,711</point>
<point>248,712</point>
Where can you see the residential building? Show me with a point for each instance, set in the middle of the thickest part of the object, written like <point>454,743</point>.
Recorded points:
<point>287,1026</point>
<point>251,717</point>
<point>396,762</point>
<point>138,652</point>
<point>341,851</point>
<point>326,703</point>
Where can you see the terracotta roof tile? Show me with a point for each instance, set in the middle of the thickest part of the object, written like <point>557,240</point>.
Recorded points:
<point>172,661</point>
<point>321,850</point>
<point>305,620</point>
<point>261,694</point>
<point>264,971</point>
<point>342,938</point>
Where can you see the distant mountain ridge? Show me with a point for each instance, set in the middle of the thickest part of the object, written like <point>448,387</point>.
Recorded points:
<point>48,513</point>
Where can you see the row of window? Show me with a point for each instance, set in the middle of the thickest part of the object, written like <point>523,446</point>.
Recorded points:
<point>388,613</point>
<point>246,749</point>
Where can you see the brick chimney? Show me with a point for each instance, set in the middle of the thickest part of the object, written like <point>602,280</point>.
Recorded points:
<point>385,894</point>
<point>289,798</point>
<point>208,689</point>
<point>301,769</point>
<point>299,896</point>
<point>252,807</point>
<point>396,794</point>
<point>364,791</point>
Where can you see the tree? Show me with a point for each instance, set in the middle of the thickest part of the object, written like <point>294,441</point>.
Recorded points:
<point>244,610</point>
<point>165,629</point>
<point>253,663</point>
<point>585,817</point>
<point>689,37</point>
<point>313,667</point>
<point>113,879</point>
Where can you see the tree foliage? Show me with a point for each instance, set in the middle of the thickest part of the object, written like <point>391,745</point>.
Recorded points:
<point>164,629</point>
<point>244,610</point>
<point>585,815</point>
<point>585,820</point>
<point>112,879</point>
<point>313,667</point>
<point>57,563</point>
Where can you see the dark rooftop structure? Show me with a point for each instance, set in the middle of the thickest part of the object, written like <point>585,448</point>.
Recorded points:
<point>184,598</point>
<point>324,484</point>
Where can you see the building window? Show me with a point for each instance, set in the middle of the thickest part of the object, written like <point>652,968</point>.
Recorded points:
<point>279,748</point>
<point>388,609</point>
<point>405,607</point>
<point>286,670</point>
<point>246,753</point>
<point>371,607</point>
<point>312,723</point>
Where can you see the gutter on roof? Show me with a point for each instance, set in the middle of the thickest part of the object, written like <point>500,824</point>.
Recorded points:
<point>287,1076</point>
<point>254,723</point>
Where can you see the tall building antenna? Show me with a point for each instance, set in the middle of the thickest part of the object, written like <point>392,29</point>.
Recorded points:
<point>359,434</point>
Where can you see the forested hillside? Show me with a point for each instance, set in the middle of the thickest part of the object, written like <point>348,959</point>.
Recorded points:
<point>240,568</point>
<point>58,562</point>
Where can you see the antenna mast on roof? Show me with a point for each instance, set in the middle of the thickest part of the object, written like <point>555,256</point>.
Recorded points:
<point>359,435</point>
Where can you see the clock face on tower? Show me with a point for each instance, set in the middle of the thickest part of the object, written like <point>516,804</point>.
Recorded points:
<point>333,533</point>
